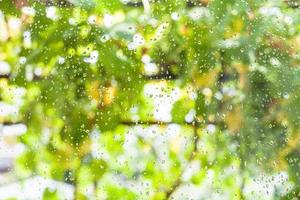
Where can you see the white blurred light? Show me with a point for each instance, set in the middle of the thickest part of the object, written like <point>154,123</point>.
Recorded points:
<point>175,16</point>
<point>105,38</point>
<point>22,60</point>
<point>146,59</point>
<point>4,68</point>
<point>27,39</point>
<point>138,40</point>
<point>92,19</point>
<point>211,128</point>
<point>61,60</point>
<point>207,92</point>
<point>93,58</point>
<point>29,73</point>
<point>151,68</point>
<point>190,116</point>
<point>38,71</point>
<point>13,130</point>
<point>198,13</point>
<point>6,110</point>
<point>108,20</point>
<point>28,11</point>
<point>14,23</point>
<point>51,13</point>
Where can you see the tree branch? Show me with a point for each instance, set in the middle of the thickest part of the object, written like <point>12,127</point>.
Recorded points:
<point>4,76</point>
<point>178,182</point>
<point>135,4</point>
<point>127,123</point>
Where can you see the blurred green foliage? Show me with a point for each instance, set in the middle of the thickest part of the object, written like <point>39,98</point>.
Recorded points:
<point>229,68</point>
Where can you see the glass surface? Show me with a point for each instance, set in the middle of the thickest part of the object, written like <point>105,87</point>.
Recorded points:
<point>149,99</point>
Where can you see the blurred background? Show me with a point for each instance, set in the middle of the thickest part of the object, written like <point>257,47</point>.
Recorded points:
<point>150,99</point>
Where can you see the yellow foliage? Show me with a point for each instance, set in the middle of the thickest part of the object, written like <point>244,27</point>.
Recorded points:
<point>184,30</point>
<point>234,120</point>
<point>103,96</point>
<point>84,148</point>
<point>206,79</point>
<point>242,70</point>
<point>238,25</point>
<point>176,144</point>
<point>109,95</point>
<point>94,91</point>
<point>292,144</point>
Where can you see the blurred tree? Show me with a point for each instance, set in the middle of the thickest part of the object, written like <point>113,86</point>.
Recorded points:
<point>84,65</point>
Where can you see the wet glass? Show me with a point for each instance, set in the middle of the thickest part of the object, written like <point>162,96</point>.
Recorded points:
<point>149,99</point>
